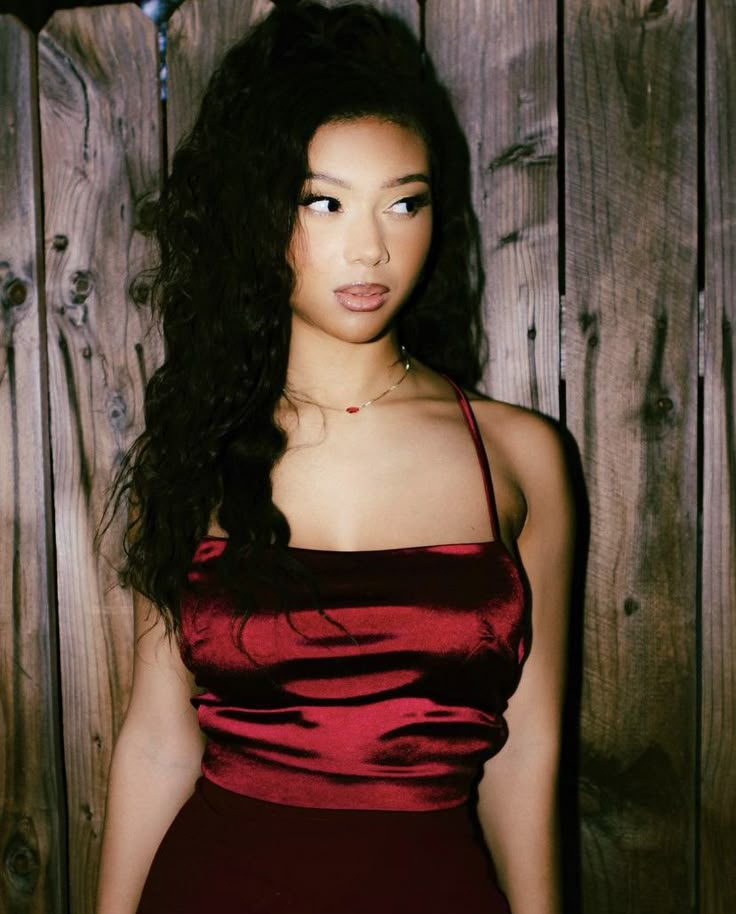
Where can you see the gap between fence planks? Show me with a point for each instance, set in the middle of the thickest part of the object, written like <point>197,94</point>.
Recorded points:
<point>631,328</point>
<point>32,821</point>
<point>718,617</point>
<point>101,152</point>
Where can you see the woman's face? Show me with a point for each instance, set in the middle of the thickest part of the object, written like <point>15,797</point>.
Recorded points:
<point>364,228</point>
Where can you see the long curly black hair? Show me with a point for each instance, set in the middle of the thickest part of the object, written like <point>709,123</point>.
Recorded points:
<point>222,286</point>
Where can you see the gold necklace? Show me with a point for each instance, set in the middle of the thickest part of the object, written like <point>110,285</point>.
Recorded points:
<point>356,409</point>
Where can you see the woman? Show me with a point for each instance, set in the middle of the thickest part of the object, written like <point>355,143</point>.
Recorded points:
<point>331,587</point>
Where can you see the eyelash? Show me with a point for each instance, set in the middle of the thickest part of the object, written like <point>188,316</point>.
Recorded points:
<point>419,201</point>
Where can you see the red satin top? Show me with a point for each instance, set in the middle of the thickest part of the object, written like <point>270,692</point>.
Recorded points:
<point>392,698</point>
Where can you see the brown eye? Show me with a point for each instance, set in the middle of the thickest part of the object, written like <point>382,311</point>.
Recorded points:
<point>321,204</point>
<point>410,206</point>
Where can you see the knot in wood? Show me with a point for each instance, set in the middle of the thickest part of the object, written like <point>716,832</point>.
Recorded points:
<point>21,859</point>
<point>658,413</point>
<point>15,293</point>
<point>82,285</point>
<point>655,9</point>
<point>21,862</point>
<point>117,411</point>
<point>139,291</point>
<point>517,152</point>
<point>631,606</point>
<point>587,321</point>
<point>60,243</point>
<point>535,149</point>
<point>511,238</point>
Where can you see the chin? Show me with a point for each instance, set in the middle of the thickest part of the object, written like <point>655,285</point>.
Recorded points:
<point>363,328</point>
<point>360,338</point>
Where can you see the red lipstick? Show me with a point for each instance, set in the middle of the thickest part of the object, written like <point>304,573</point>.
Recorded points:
<point>362,296</point>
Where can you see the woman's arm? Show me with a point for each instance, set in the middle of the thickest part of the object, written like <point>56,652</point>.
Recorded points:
<point>155,764</point>
<point>518,793</point>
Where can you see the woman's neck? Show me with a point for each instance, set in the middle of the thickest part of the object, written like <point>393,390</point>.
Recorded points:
<point>334,372</point>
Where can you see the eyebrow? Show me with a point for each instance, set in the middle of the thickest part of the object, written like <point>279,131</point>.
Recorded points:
<point>394,182</point>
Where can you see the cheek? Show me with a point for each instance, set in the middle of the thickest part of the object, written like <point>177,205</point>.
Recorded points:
<point>312,249</point>
<point>296,254</point>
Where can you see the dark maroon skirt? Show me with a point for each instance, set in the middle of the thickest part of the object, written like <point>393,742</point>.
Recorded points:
<point>226,852</point>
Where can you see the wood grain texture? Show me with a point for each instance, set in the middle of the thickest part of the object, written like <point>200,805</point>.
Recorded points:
<point>718,735</point>
<point>631,329</point>
<point>408,10</point>
<point>499,62</point>
<point>31,803</point>
<point>102,161</point>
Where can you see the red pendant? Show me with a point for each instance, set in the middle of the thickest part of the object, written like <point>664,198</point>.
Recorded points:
<point>352,409</point>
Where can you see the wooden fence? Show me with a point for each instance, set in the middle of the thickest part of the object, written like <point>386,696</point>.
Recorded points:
<point>603,135</point>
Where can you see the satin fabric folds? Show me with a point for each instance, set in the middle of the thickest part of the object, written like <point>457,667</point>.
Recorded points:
<point>391,697</point>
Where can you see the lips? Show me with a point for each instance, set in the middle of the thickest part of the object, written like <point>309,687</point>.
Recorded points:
<point>362,296</point>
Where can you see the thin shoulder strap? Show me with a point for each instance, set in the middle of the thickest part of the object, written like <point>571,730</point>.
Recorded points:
<point>481,452</point>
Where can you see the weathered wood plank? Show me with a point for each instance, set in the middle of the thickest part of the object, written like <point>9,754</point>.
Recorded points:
<point>101,151</point>
<point>407,10</point>
<point>499,62</point>
<point>32,827</point>
<point>631,332</point>
<point>718,735</point>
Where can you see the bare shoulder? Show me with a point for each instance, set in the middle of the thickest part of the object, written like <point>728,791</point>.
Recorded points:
<point>530,441</point>
<point>528,448</point>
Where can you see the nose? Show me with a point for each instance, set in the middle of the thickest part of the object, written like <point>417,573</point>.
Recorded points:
<point>365,242</point>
